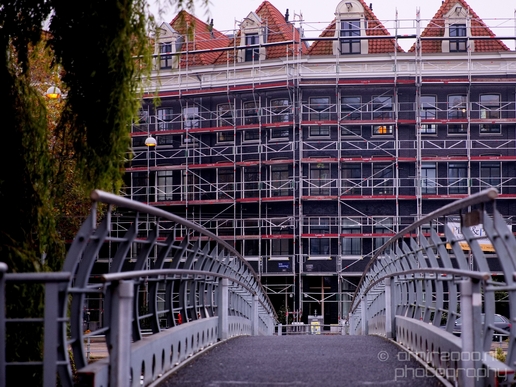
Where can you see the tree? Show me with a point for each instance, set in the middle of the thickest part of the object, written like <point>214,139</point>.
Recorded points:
<point>92,46</point>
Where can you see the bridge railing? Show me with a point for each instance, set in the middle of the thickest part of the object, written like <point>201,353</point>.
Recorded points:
<point>432,288</point>
<point>177,281</point>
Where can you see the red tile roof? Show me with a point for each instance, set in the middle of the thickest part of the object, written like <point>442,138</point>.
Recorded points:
<point>374,28</point>
<point>198,36</point>
<point>279,30</point>
<point>436,28</point>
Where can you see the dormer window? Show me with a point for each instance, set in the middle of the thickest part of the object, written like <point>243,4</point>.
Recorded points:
<point>252,53</point>
<point>350,26</point>
<point>348,30</point>
<point>252,35</point>
<point>457,30</point>
<point>168,43</point>
<point>165,55</point>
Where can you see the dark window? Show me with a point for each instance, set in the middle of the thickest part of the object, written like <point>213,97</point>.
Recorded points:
<point>382,108</point>
<point>384,226</point>
<point>252,53</point>
<point>319,131</point>
<point>457,178</point>
<point>383,180</point>
<point>428,111</point>
<point>225,137</point>
<point>428,179</point>
<point>319,246</point>
<point>165,185</point>
<point>490,175</point>
<point>225,115</point>
<point>320,181</point>
<point>251,135</point>
<point>350,245</point>
<point>490,110</point>
<point>457,110</point>
<point>319,109</point>
<point>225,180</point>
<point>351,108</point>
<point>251,181</point>
<point>250,113</point>
<point>458,31</point>
<point>351,179</point>
<point>165,55</point>
<point>164,117</point>
<point>280,181</point>
<point>281,110</point>
<point>349,31</point>
<point>280,133</point>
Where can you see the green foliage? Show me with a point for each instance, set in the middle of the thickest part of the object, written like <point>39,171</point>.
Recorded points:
<point>500,354</point>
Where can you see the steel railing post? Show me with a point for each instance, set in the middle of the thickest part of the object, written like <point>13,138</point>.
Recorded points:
<point>255,321</point>
<point>223,309</point>
<point>472,354</point>
<point>365,327</point>
<point>50,334</point>
<point>121,320</point>
<point>389,310</point>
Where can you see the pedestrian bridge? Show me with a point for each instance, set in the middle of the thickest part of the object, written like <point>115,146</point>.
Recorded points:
<point>199,293</point>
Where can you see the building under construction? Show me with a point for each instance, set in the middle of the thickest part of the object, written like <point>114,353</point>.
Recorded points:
<point>307,152</point>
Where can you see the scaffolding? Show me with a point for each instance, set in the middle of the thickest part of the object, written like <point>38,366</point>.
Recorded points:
<point>287,158</point>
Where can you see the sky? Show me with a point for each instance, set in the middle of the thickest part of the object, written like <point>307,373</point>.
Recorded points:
<point>226,14</point>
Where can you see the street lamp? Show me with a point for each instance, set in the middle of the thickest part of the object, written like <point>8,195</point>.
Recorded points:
<point>150,141</point>
<point>53,92</point>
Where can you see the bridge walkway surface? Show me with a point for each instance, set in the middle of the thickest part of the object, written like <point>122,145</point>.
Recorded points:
<point>307,360</point>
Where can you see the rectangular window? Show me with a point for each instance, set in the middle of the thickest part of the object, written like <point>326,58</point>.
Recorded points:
<point>165,55</point>
<point>490,175</point>
<point>349,31</point>
<point>351,179</point>
<point>190,188</point>
<point>490,110</point>
<point>225,137</point>
<point>280,133</point>
<point>351,108</point>
<point>225,115</point>
<point>251,113</point>
<point>281,110</point>
<point>319,131</point>
<point>319,182</point>
<point>252,53</point>
<point>191,117</point>
<point>164,118</point>
<point>251,179</point>
<point>251,247</point>
<point>165,185</point>
<point>460,44</point>
<point>383,108</point>
<point>428,179</point>
<point>428,111</point>
<point>383,179</point>
<point>320,246</point>
<point>319,109</point>
<point>225,183</point>
<point>458,178</point>
<point>251,135</point>
<point>383,226</point>
<point>457,110</point>
<point>351,245</point>
<point>382,130</point>
<point>280,183</point>
<point>280,247</point>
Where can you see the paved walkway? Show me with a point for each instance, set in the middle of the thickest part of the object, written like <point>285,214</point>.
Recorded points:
<point>312,361</point>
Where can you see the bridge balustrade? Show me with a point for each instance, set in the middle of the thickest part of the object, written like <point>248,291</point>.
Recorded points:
<point>446,266</point>
<point>167,292</point>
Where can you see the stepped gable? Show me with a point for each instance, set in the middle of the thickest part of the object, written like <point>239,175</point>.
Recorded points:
<point>279,30</point>
<point>375,28</point>
<point>436,28</point>
<point>198,36</point>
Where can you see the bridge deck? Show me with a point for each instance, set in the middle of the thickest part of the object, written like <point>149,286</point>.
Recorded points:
<point>313,360</point>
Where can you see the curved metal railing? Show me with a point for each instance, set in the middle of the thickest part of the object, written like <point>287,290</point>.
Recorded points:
<point>164,294</point>
<point>432,288</point>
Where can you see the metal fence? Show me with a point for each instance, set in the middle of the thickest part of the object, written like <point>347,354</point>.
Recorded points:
<point>180,284</point>
<point>432,288</point>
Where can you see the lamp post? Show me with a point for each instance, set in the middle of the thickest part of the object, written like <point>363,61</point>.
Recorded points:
<point>53,92</point>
